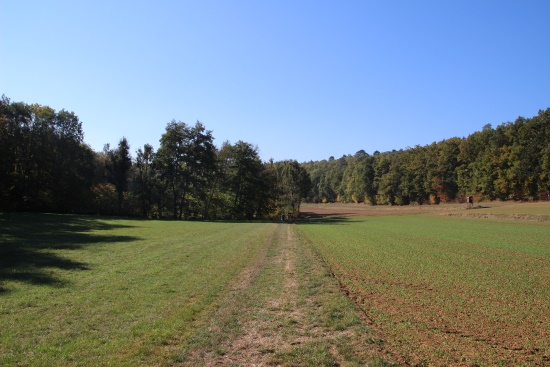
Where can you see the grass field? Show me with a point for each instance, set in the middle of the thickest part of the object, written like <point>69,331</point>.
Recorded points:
<point>433,286</point>
<point>89,291</point>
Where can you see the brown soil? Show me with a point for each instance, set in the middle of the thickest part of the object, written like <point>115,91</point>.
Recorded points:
<point>538,211</point>
<point>337,209</point>
<point>528,217</point>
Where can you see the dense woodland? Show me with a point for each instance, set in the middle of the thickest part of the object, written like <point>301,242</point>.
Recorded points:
<point>509,162</point>
<point>45,165</point>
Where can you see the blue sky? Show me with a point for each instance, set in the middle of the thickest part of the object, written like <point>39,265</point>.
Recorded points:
<point>302,80</point>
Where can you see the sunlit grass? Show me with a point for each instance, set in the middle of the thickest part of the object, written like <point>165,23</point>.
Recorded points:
<point>110,291</point>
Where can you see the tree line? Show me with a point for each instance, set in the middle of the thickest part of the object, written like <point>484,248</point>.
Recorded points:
<point>45,165</point>
<point>509,162</point>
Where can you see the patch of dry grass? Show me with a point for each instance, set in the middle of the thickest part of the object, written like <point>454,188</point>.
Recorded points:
<point>287,310</point>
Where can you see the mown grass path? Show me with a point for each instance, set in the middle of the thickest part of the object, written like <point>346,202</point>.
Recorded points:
<point>285,310</point>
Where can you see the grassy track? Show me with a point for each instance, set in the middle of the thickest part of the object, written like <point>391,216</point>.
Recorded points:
<point>446,290</point>
<point>286,310</point>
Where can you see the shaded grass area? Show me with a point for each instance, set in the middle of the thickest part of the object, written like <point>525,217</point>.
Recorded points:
<point>28,244</point>
<point>315,218</point>
<point>447,290</point>
<point>88,291</point>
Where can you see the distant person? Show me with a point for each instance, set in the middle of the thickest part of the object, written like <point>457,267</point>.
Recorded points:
<point>282,217</point>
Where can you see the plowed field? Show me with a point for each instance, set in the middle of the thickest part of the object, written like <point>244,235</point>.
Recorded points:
<point>444,285</point>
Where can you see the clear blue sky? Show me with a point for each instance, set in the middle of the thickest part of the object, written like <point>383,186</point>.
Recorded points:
<point>302,80</point>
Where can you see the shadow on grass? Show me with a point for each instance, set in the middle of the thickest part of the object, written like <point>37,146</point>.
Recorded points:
<point>28,244</point>
<point>315,218</point>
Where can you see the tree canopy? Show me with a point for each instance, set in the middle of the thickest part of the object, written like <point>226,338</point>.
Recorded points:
<point>510,162</point>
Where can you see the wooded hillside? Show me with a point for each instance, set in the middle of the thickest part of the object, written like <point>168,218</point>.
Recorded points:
<point>509,162</point>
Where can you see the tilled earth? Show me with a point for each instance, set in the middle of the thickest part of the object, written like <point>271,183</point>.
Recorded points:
<point>448,336</point>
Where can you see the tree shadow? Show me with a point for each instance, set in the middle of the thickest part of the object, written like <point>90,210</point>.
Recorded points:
<point>326,218</point>
<point>29,244</point>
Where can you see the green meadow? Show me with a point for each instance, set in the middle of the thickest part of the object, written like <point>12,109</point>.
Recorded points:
<point>378,290</point>
<point>88,291</point>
